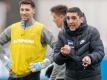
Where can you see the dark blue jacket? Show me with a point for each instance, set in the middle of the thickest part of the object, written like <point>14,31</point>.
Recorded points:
<point>85,41</point>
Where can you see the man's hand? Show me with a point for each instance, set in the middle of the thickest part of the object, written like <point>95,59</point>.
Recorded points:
<point>34,67</point>
<point>86,61</point>
<point>7,62</point>
<point>65,50</point>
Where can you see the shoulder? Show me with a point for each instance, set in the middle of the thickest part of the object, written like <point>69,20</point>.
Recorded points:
<point>62,31</point>
<point>92,28</point>
<point>94,33</point>
<point>39,24</point>
<point>62,34</point>
<point>15,24</point>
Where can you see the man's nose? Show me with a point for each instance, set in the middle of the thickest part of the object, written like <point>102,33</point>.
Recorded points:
<point>23,12</point>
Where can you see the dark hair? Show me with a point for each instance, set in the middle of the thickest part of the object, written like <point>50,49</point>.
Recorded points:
<point>27,2</point>
<point>59,9</point>
<point>76,10</point>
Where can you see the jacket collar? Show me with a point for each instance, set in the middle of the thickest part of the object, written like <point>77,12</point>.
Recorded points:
<point>28,23</point>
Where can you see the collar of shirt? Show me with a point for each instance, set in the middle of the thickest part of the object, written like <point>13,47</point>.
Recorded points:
<point>28,23</point>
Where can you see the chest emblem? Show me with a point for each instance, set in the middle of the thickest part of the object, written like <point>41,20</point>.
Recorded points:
<point>70,43</point>
<point>82,41</point>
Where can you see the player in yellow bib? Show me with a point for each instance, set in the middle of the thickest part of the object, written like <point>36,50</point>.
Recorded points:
<point>29,40</point>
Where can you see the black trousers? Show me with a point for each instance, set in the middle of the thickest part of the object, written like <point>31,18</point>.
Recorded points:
<point>59,79</point>
<point>32,76</point>
<point>98,77</point>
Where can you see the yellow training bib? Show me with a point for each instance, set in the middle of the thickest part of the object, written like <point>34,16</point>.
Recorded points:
<point>26,47</point>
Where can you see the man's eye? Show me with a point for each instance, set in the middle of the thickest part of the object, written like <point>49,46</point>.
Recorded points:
<point>22,9</point>
<point>27,9</point>
<point>68,17</point>
<point>74,17</point>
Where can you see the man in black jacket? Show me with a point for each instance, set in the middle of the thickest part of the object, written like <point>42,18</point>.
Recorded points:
<point>79,46</point>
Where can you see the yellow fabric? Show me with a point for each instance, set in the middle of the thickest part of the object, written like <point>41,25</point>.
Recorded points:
<point>26,47</point>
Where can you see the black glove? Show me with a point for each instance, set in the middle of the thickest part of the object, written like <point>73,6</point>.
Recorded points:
<point>49,71</point>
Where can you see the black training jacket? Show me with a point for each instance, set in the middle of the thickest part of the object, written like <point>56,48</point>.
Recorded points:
<point>85,41</point>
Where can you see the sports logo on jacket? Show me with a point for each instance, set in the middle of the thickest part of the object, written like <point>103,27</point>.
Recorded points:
<point>70,43</point>
<point>82,41</point>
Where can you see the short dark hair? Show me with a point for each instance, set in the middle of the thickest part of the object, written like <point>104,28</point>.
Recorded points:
<point>59,9</point>
<point>76,10</point>
<point>27,2</point>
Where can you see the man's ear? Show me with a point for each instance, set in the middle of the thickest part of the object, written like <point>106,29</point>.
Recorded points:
<point>34,11</point>
<point>82,19</point>
<point>61,16</point>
